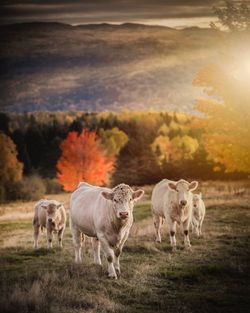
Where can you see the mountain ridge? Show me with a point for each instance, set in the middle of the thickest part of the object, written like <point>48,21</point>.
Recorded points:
<point>100,67</point>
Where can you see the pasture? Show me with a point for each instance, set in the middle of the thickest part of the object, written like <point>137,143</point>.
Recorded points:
<point>213,277</point>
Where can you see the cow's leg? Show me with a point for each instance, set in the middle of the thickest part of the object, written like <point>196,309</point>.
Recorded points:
<point>118,252</point>
<point>172,232</point>
<point>158,223</point>
<point>78,239</point>
<point>60,236</point>
<point>186,234</point>
<point>200,226</point>
<point>36,234</point>
<point>49,238</point>
<point>96,247</point>
<point>109,252</point>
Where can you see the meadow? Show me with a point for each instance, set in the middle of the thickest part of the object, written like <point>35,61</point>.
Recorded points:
<point>213,277</point>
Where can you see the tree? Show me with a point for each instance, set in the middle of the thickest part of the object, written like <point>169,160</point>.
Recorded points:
<point>10,168</point>
<point>226,118</point>
<point>178,149</point>
<point>83,159</point>
<point>233,17</point>
<point>113,140</point>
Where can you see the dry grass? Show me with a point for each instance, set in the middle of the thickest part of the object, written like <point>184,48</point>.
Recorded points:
<point>214,277</point>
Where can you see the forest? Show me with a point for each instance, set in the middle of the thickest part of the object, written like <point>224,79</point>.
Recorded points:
<point>135,148</point>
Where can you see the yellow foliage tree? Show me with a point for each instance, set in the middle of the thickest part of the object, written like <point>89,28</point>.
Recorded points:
<point>113,140</point>
<point>10,168</point>
<point>226,119</point>
<point>177,149</point>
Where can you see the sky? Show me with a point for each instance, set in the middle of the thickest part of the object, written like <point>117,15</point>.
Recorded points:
<point>172,13</point>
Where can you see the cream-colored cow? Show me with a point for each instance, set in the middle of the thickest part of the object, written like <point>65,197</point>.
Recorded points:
<point>106,215</point>
<point>49,214</point>
<point>199,211</point>
<point>172,200</point>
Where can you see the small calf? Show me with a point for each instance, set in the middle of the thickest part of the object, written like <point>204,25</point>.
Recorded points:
<point>199,211</point>
<point>49,214</point>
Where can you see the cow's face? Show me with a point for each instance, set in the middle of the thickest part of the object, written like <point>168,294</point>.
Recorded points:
<point>52,213</point>
<point>196,200</point>
<point>183,189</point>
<point>123,199</point>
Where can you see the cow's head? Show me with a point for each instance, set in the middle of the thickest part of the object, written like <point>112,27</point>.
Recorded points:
<point>183,189</point>
<point>52,212</point>
<point>196,200</point>
<point>123,199</point>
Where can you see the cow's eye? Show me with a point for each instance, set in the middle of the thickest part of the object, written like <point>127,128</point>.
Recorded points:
<point>115,201</point>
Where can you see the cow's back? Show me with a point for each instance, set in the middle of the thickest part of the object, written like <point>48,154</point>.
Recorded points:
<point>87,208</point>
<point>40,214</point>
<point>162,195</point>
<point>159,193</point>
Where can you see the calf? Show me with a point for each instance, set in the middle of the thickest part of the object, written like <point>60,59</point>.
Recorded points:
<point>106,215</point>
<point>173,201</point>
<point>199,211</point>
<point>49,214</point>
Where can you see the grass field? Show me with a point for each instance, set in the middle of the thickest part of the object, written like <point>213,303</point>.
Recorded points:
<point>213,277</point>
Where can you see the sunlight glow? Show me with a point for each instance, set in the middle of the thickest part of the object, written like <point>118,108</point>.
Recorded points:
<point>242,70</point>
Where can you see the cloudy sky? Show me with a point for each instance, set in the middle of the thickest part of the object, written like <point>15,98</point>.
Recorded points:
<point>174,13</point>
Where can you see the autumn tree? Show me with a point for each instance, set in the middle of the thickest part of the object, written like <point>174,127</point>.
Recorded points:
<point>175,149</point>
<point>10,168</point>
<point>233,17</point>
<point>225,106</point>
<point>226,120</point>
<point>83,159</point>
<point>113,140</point>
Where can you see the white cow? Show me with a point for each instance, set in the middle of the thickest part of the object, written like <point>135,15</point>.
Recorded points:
<point>106,215</point>
<point>49,214</point>
<point>199,211</point>
<point>173,201</point>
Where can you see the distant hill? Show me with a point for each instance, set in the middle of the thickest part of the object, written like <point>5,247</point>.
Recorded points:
<point>100,67</point>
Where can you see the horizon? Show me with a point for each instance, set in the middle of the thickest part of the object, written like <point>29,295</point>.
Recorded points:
<point>180,14</point>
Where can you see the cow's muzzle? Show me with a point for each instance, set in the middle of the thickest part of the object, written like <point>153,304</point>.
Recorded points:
<point>123,215</point>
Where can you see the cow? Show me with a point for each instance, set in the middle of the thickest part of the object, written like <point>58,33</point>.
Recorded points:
<point>172,201</point>
<point>199,211</point>
<point>49,214</point>
<point>106,215</point>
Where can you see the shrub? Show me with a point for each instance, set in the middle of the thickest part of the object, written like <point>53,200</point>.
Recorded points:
<point>30,188</point>
<point>2,194</point>
<point>52,186</point>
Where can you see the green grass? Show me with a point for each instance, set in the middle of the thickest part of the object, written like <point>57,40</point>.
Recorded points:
<point>213,277</point>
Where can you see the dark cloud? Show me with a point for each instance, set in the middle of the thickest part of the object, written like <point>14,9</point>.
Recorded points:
<point>96,11</point>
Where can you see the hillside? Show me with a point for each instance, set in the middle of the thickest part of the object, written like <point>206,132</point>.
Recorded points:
<point>53,66</point>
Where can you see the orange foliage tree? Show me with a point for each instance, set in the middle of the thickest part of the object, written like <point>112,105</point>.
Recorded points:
<point>83,159</point>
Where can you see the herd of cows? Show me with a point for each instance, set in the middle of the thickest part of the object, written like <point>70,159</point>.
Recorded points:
<point>106,215</point>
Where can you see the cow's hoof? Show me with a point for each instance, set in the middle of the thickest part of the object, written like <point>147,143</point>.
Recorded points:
<point>188,248</point>
<point>112,276</point>
<point>78,261</point>
<point>118,272</point>
<point>174,249</point>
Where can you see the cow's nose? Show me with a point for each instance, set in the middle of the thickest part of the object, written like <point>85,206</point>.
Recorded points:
<point>195,205</point>
<point>50,220</point>
<point>183,202</point>
<point>123,214</point>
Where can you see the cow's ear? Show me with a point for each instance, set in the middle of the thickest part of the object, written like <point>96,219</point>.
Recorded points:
<point>193,185</point>
<point>137,194</point>
<point>59,205</point>
<point>172,186</point>
<point>108,195</point>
